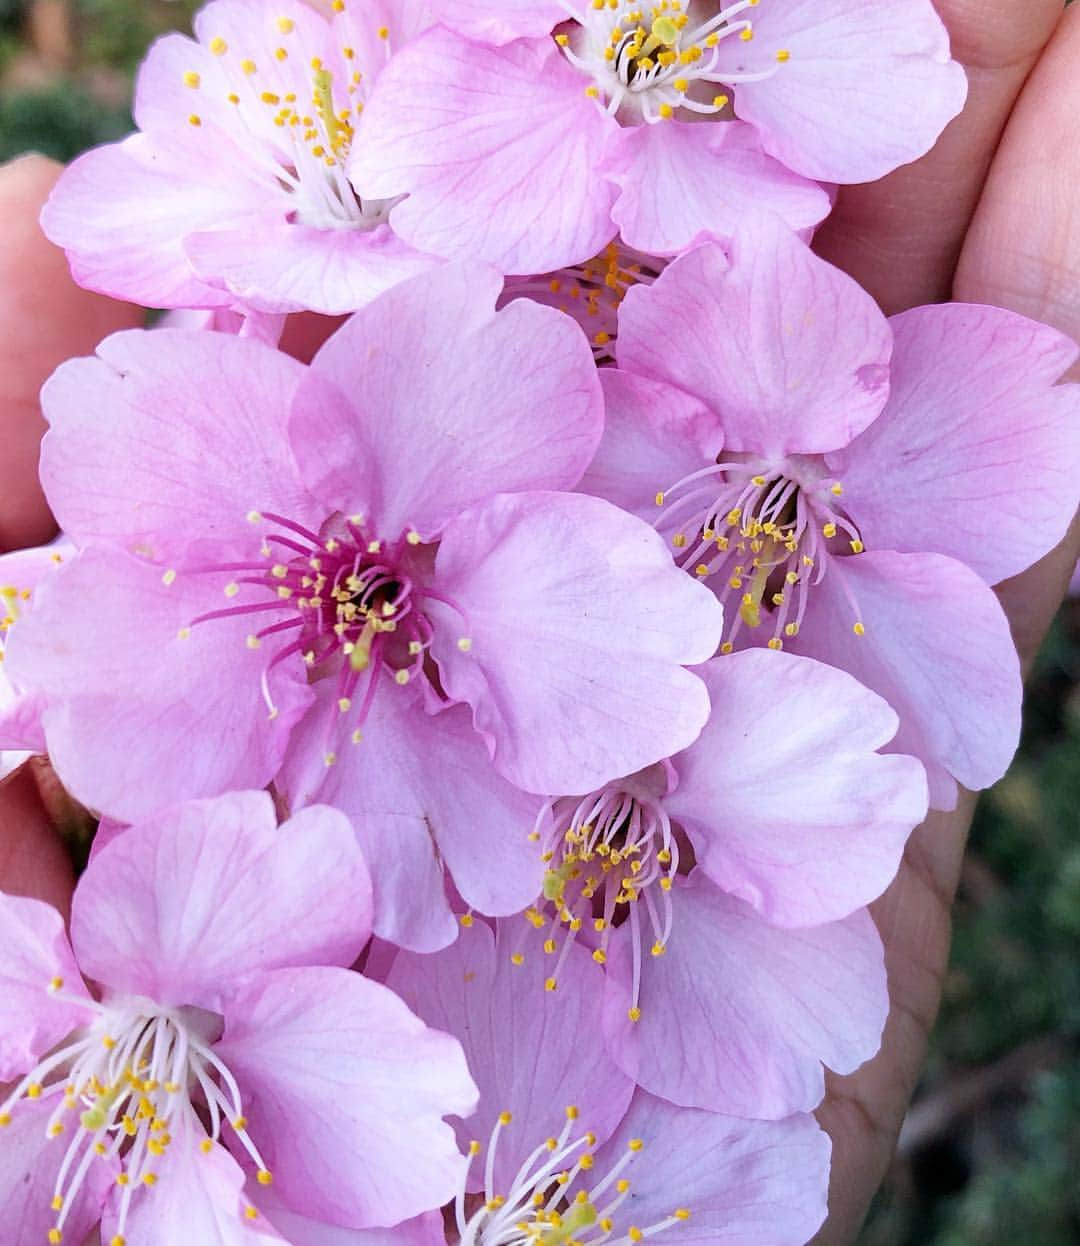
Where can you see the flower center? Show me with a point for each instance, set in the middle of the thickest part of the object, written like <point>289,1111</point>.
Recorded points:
<point>770,533</point>
<point>119,1088</point>
<point>539,1210</point>
<point>650,61</point>
<point>592,292</point>
<point>608,855</point>
<point>355,606</point>
<point>299,119</point>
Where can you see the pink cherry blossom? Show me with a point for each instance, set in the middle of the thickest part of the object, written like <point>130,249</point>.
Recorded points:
<point>793,817</point>
<point>227,1037</point>
<point>560,1141</point>
<point>380,537</point>
<point>234,191</point>
<point>849,486</point>
<point>533,153</point>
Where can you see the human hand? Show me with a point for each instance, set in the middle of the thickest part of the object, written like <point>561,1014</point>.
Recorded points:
<point>960,219</point>
<point>989,216</point>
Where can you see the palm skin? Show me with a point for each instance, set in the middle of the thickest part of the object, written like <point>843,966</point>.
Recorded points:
<point>989,216</point>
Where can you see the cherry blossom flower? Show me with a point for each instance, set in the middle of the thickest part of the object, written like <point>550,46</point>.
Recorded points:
<point>533,152</point>
<point>849,486</point>
<point>795,820</point>
<point>381,537</point>
<point>563,1145</point>
<point>227,1038</point>
<point>234,190</point>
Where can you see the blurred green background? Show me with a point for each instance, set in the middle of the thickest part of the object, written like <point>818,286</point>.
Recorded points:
<point>990,1154</point>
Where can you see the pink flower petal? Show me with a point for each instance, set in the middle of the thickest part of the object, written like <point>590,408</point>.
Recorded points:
<point>170,437</point>
<point>140,716</point>
<point>977,453</point>
<point>293,267</point>
<point>831,110</point>
<point>498,21</point>
<point>654,435</point>
<point>198,1198</point>
<point>347,1093</point>
<point>787,350</point>
<point>121,213</point>
<point>744,1183</point>
<point>29,1163</point>
<point>503,401</point>
<point>580,625</point>
<point>498,150</point>
<point>937,648</point>
<point>680,182</point>
<point>787,803</point>
<point>415,783</point>
<point>527,1047</point>
<point>179,908</point>
<point>760,1010</point>
<point>34,950</point>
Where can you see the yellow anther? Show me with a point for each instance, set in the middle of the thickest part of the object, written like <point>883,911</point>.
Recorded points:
<point>466,920</point>
<point>681,1213</point>
<point>264,1177</point>
<point>857,546</point>
<point>720,101</point>
<point>516,958</point>
<point>635,1144</point>
<point>859,630</point>
<point>253,642</point>
<point>192,79</point>
<point>232,589</point>
<point>33,1091</point>
<point>783,55</point>
<point>727,647</point>
<point>285,25</point>
<point>464,644</point>
<point>600,956</point>
<point>248,66</point>
<point>56,984</point>
<point>658,948</point>
<point>666,111</point>
<point>206,1146</point>
<point>240,1124</point>
<point>150,1178</point>
<point>55,1236</point>
<point>505,1118</point>
<point>775,643</point>
<point>218,46</point>
<point>401,677</point>
<point>195,120</point>
<point>829,530</point>
<point>572,1112</point>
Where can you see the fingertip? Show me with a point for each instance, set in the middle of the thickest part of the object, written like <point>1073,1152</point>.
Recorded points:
<point>45,318</point>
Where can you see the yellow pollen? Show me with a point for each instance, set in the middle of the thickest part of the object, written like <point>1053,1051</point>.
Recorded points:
<point>55,1236</point>
<point>859,630</point>
<point>505,1118</point>
<point>264,1177</point>
<point>634,1013</point>
<point>285,25</point>
<point>783,55</point>
<point>218,46</point>
<point>517,958</point>
<point>192,79</point>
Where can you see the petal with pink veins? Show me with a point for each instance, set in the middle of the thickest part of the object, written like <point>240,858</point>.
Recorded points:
<point>198,1197</point>
<point>497,149</point>
<point>296,267</point>
<point>742,1181</point>
<point>787,802</point>
<point>178,908</point>
<point>762,1011</point>
<point>830,108</point>
<point>34,953</point>
<point>654,435</point>
<point>144,710</point>
<point>528,1047</point>
<point>29,1164</point>
<point>977,453</point>
<point>121,213</point>
<point>788,351</point>
<point>345,1090</point>
<point>415,784</point>
<point>937,647</point>
<point>579,626</point>
<point>169,437</point>
<point>680,183</point>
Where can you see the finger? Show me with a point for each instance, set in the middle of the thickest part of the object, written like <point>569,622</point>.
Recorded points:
<point>1023,250</point>
<point>33,861</point>
<point>901,237</point>
<point>44,319</point>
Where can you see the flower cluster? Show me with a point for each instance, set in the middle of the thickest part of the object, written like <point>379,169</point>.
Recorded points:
<point>498,725</point>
